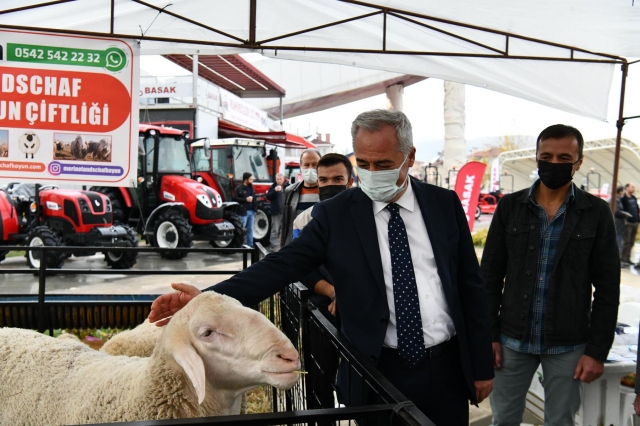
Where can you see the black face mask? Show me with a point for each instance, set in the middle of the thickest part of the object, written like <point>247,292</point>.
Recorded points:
<point>326,192</point>
<point>555,175</point>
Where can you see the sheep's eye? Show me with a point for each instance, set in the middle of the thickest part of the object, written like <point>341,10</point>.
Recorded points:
<point>208,333</point>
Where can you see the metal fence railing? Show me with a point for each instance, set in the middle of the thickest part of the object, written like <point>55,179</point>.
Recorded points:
<point>322,348</point>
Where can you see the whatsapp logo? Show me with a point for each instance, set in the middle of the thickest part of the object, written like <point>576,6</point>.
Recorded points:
<point>115,59</point>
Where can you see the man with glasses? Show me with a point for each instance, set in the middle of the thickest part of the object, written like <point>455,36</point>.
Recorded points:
<point>548,247</point>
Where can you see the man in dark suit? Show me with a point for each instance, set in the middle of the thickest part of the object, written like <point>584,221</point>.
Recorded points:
<point>406,276</point>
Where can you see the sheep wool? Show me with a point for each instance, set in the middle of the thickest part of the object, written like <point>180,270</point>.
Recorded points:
<point>211,352</point>
<point>137,342</point>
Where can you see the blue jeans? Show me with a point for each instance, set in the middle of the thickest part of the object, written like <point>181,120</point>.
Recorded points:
<point>247,224</point>
<point>562,393</point>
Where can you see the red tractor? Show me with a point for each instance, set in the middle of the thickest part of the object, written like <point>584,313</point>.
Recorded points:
<point>169,207</point>
<point>63,217</point>
<point>487,203</point>
<point>222,170</point>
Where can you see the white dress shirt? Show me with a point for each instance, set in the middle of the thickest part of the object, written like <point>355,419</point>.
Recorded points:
<point>437,325</point>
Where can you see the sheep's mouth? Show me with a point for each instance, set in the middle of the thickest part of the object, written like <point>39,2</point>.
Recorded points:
<point>280,373</point>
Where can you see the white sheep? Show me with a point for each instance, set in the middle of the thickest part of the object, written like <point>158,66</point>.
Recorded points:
<point>211,352</point>
<point>139,341</point>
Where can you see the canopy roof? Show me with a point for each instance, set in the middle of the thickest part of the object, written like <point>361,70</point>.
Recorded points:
<point>575,44</point>
<point>284,139</point>
<point>232,73</point>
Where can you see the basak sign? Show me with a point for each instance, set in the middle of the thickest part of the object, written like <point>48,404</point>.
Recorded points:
<point>468,183</point>
<point>66,106</point>
<point>166,90</point>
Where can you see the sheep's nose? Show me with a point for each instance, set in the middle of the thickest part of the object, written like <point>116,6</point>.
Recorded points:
<point>289,355</point>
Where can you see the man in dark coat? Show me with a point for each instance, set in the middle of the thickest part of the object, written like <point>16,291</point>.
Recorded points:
<point>406,277</point>
<point>276,198</point>
<point>548,247</point>
<point>244,195</point>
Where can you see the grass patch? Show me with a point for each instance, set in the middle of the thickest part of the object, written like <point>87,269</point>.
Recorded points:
<point>16,253</point>
<point>480,237</point>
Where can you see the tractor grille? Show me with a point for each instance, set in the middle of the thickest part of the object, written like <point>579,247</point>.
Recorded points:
<point>95,200</point>
<point>71,212</point>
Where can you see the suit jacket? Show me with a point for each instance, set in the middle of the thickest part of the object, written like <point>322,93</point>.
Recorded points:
<point>343,237</point>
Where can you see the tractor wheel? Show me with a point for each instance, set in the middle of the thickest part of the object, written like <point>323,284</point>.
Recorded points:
<point>261,227</point>
<point>43,236</point>
<point>171,230</point>
<point>126,259</point>
<point>238,234</point>
<point>478,212</point>
<point>117,203</point>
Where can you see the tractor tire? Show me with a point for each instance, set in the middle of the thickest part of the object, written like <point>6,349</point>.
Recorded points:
<point>238,234</point>
<point>43,236</point>
<point>126,259</point>
<point>478,212</point>
<point>171,230</point>
<point>117,203</point>
<point>262,227</point>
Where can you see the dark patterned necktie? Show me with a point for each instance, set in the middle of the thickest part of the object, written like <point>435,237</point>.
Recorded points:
<point>405,292</point>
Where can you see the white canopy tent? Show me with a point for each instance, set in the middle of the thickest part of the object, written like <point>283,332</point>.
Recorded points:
<point>559,53</point>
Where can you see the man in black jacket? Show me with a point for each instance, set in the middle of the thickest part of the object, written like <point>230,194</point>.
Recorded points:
<point>630,205</point>
<point>276,198</point>
<point>548,246</point>
<point>244,195</point>
<point>382,243</point>
<point>620,218</point>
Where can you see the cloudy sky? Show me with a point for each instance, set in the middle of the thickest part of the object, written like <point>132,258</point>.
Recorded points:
<point>489,115</point>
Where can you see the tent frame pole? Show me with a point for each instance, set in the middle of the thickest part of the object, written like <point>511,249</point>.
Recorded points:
<point>619,124</point>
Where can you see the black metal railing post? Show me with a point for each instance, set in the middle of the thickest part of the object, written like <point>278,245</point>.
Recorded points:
<point>42,282</point>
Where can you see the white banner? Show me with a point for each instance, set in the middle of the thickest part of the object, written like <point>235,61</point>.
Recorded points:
<point>495,176</point>
<point>208,95</point>
<point>66,109</point>
<point>235,110</point>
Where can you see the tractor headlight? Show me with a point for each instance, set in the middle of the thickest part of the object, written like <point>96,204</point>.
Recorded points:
<point>199,179</point>
<point>108,206</point>
<point>204,199</point>
<point>84,206</point>
<point>33,207</point>
<point>219,199</point>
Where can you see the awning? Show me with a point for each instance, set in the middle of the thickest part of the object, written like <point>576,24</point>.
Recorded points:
<point>232,73</point>
<point>283,139</point>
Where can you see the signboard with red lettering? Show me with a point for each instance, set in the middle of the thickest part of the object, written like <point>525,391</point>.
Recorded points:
<point>238,111</point>
<point>468,183</point>
<point>66,107</point>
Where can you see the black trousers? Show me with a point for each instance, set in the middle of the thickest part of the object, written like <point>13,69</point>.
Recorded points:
<point>436,386</point>
<point>628,240</point>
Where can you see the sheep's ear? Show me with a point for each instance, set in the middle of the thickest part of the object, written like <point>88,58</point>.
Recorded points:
<point>192,364</point>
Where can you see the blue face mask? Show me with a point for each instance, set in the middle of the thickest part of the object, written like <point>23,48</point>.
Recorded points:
<point>381,186</point>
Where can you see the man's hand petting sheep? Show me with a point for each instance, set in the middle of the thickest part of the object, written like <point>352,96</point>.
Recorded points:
<point>165,306</point>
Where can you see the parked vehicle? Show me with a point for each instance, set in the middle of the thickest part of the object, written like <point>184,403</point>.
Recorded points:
<point>488,202</point>
<point>169,207</point>
<point>223,170</point>
<point>49,216</point>
<point>292,172</point>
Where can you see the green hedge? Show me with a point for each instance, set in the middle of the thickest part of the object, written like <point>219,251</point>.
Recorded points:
<point>480,237</point>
